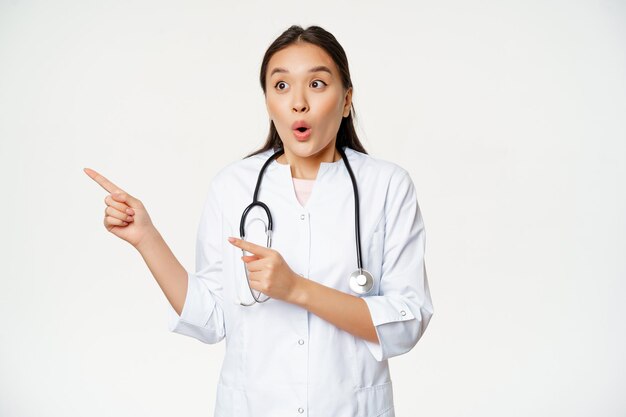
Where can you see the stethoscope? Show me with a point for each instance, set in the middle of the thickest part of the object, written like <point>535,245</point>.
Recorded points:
<point>360,281</point>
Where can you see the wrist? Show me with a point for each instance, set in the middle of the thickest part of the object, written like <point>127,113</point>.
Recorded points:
<point>299,291</point>
<point>148,240</point>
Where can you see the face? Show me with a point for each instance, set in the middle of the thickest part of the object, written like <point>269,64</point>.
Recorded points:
<point>303,85</point>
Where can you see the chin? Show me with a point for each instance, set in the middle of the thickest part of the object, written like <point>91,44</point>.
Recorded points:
<point>304,149</point>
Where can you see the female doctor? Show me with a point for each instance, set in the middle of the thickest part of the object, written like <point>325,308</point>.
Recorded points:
<point>313,302</point>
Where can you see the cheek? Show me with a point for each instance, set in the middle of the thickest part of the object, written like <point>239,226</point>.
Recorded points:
<point>270,108</point>
<point>333,110</point>
<point>273,110</point>
<point>273,106</point>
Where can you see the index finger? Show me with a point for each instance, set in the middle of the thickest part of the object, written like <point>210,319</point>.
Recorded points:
<point>250,247</point>
<point>104,183</point>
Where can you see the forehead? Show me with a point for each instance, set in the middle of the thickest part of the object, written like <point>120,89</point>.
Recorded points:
<point>300,57</point>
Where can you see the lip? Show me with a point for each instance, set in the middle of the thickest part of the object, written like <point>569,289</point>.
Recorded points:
<point>301,136</point>
<point>300,123</point>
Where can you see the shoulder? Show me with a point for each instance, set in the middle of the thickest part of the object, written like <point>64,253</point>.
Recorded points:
<point>383,170</point>
<point>240,169</point>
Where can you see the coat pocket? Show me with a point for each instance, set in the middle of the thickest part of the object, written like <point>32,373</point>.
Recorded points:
<point>229,402</point>
<point>375,401</point>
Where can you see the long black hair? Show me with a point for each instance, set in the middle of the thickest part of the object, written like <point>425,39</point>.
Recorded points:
<point>346,135</point>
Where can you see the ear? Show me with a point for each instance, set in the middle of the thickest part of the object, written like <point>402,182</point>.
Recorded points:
<point>348,103</point>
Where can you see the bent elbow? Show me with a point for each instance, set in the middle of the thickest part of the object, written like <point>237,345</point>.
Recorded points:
<point>421,323</point>
<point>210,332</point>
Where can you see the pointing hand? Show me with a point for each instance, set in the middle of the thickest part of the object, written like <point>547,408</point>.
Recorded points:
<point>124,216</point>
<point>268,271</point>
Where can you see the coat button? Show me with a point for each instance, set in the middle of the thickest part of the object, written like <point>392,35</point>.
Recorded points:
<point>300,410</point>
<point>302,217</point>
<point>300,342</point>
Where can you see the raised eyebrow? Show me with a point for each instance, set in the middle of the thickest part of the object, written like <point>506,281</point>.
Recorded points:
<point>318,68</point>
<point>321,68</point>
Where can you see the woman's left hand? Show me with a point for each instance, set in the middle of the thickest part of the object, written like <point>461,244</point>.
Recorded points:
<point>268,272</point>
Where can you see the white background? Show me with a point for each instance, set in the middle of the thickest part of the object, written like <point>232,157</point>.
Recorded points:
<point>510,117</point>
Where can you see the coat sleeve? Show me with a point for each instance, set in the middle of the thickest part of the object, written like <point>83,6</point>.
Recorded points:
<point>403,307</point>
<point>202,316</point>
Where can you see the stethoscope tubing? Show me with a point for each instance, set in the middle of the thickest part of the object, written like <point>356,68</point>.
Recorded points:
<point>356,276</point>
<point>357,221</point>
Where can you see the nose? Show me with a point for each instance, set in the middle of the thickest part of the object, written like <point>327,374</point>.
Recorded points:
<point>300,109</point>
<point>299,104</point>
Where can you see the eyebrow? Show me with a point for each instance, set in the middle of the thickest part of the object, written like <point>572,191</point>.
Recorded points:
<point>314,69</point>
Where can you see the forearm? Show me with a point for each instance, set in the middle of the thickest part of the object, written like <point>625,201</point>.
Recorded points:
<point>348,312</point>
<point>168,272</point>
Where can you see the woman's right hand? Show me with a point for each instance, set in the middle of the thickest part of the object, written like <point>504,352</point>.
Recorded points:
<point>124,215</point>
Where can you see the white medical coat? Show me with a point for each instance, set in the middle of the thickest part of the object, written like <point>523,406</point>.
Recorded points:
<point>280,359</point>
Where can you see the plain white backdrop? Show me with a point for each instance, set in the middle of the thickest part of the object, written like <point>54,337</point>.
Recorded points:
<point>508,115</point>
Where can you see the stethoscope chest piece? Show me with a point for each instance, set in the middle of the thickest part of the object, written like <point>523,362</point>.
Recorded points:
<point>361,281</point>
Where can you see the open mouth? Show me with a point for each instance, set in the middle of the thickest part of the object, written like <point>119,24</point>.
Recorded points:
<point>302,133</point>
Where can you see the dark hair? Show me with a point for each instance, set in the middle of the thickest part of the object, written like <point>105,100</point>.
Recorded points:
<point>346,135</point>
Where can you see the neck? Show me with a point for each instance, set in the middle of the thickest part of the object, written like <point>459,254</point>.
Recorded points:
<point>307,167</point>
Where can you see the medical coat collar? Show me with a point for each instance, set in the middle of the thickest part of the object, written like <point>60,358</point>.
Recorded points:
<point>324,166</point>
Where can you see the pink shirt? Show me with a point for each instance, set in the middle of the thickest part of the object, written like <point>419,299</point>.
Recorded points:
<point>303,189</point>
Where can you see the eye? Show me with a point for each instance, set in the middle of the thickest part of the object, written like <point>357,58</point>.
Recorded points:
<point>284,84</point>
<point>318,82</point>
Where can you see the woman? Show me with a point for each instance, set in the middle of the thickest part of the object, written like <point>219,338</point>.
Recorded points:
<point>317,340</point>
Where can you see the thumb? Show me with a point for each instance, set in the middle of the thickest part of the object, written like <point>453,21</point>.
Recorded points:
<point>248,258</point>
<point>124,197</point>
